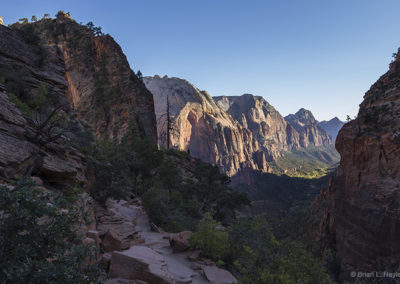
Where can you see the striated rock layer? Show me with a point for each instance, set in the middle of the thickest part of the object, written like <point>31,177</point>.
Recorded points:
<point>268,126</point>
<point>364,214</point>
<point>20,154</point>
<point>87,73</point>
<point>307,127</point>
<point>198,125</point>
<point>272,131</point>
<point>237,133</point>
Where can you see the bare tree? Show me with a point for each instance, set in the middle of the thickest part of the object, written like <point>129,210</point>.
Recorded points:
<point>170,127</point>
<point>47,126</point>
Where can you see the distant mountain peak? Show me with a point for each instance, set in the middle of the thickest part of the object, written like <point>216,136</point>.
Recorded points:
<point>304,113</point>
<point>332,126</point>
<point>303,116</point>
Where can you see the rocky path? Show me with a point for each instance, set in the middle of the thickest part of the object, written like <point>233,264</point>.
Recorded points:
<point>134,253</point>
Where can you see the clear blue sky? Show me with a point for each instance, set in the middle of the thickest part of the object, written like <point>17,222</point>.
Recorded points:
<point>317,54</point>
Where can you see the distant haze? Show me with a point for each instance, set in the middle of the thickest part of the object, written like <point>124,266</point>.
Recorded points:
<point>320,55</point>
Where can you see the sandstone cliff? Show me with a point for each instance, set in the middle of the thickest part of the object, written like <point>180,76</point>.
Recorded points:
<point>294,145</point>
<point>57,163</point>
<point>268,126</point>
<point>87,73</point>
<point>236,132</point>
<point>306,125</point>
<point>363,218</point>
<point>198,125</point>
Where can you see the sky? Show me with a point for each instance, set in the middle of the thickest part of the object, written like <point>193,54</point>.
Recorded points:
<point>318,54</point>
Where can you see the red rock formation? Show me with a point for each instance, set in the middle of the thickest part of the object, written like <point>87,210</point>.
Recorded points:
<point>236,133</point>
<point>201,127</point>
<point>87,72</point>
<point>306,125</point>
<point>365,193</point>
<point>269,128</point>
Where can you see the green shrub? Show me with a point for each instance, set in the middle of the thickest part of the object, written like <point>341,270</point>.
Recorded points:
<point>295,265</point>
<point>168,210</point>
<point>213,242</point>
<point>211,189</point>
<point>27,31</point>
<point>81,136</point>
<point>37,240</point>
<point>24,108</point>
<point>112,166</point>
<point>123,169</point>
<point>258,257</point>
<point>156,203</point>
<point>39,99</point>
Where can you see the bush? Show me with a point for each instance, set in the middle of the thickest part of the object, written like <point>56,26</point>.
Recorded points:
<point>189,190</point>
<point>37,241</point>
<point>113,176</point>
<point>211,189</point>
<point>212,242</point>
<point>123,169</point>
<point>168,210</point>
<point>27,31</point>
<point>24,108</point>
<point>258,257</point>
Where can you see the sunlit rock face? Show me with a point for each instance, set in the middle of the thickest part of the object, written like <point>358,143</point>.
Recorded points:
<point>267,125</point>
<point>233,132</point>
<point>200,126</point>
<point>307,127</point>
<point>272,131</point>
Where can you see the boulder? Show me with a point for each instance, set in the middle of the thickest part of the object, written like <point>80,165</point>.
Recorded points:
<point>37,180</point>
<point>105,260</point>
<point>180,241</point>
<point>194,255</point>
<point>124,281</point>
<point>218,275</point>
<point>94,235</point>
<point>111,241</point>
<point>144,264</point>
<point>116,216</point>
<point>91,243</point>
<point>57,170</point>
